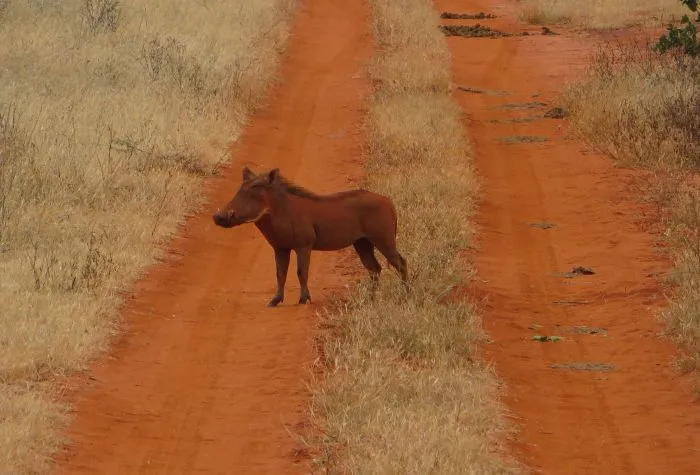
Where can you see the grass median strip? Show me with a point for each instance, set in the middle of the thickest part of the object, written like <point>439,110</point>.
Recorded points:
<point>403,388</point>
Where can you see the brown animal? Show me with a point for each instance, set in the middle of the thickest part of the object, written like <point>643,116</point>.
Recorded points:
<point>292,218</point>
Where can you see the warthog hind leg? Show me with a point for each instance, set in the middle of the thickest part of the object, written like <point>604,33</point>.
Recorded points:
<point>396,260</point>
<point>365,249</point>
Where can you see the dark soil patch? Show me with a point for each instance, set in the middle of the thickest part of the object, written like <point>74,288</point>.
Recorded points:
<point>579,270</point>
<point>542,225</point>
<point>515,120</point>
<point>475,90</point>
<point>466,16</point>
<point>524,105</point>
<point>584,366</point>
<point>585,330</point>
<point>576,272</point>
<point>571,302</point>
<point>556,113</point>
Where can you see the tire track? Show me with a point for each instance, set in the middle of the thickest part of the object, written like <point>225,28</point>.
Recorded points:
<point>638,418</point>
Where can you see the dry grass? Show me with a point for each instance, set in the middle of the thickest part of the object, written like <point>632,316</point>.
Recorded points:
<point>683,314</point>
<point>403,390</point>
<point>111,114</point>
<point>599,14</point>
<point>644,110</point>
<point>640,107</point>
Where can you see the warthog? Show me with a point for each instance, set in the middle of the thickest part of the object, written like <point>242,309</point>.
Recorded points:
<point>293,218</point>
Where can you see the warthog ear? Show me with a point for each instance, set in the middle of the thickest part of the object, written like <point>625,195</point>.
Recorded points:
<point>247,174</point>
<point>274,176</point>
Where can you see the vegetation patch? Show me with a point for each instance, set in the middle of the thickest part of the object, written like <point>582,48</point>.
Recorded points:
<point>480,31</point>
<point>598,367</point>
<point>519,139</point>
<point>466,16</point>
<point>403,389</point>
<point>682,38</point>
<point>546,338</point>
<point>111,114</point>
<point>556,113</point>
<point>476,31</point>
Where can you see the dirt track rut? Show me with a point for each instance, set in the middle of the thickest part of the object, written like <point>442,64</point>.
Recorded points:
<point>639,417</point>
<point>206,379</point>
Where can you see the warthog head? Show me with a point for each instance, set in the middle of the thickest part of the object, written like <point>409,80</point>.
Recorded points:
<point>252,200</point>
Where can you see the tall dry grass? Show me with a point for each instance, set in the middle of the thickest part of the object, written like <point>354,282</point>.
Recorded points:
<point>403,390</point>
<point>111,114</point>
<point>640,107</point>
<point>644,110</point>
<point>600,14</point>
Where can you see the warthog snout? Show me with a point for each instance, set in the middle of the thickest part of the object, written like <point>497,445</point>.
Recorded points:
<point>225,219</point>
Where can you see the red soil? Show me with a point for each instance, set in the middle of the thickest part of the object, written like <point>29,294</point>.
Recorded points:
<point>639,417</point>
<point>205,378</point>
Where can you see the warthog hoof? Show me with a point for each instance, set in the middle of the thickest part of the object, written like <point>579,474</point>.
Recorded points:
<point>276,300</point>
<point>304,299</point>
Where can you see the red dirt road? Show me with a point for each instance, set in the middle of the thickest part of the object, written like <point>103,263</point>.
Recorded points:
<point>206,379</point>
<point>638,418</point>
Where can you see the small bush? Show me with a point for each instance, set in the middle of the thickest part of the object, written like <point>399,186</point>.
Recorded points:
<point>168,59</point>
<point>4,5</point>
<point>684,38</point>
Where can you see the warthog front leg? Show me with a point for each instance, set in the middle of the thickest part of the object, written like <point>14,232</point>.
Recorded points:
<point>303,262</point>
<point>282,262</point>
